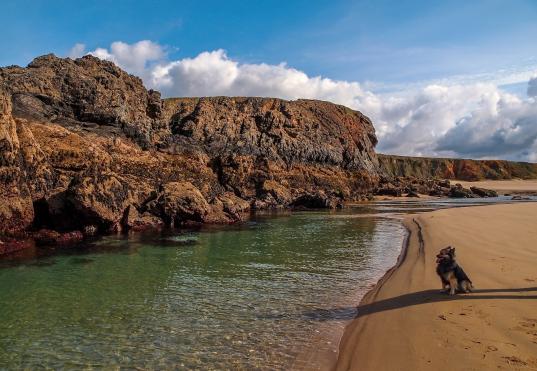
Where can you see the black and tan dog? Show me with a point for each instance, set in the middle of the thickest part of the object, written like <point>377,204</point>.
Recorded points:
<point>452,275</point>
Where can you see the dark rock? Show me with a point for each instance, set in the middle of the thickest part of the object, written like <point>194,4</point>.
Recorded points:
<point>413,194</point>
<point>46,237</point>
<point>49,237</point>
<point>482,192</point>
<point>70,238</point>
<point>389,190</point>
<point>458,191</point>
<point>520,198</point>
<point>318,200</point>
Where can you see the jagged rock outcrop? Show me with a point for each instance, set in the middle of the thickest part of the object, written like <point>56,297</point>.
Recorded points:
<point>85,147</point>
<point>84,92</point>
<point>17,165</point>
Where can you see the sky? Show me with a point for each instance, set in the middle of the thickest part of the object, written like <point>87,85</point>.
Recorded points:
<point>438,78</point>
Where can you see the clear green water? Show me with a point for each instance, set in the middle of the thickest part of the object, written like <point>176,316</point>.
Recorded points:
<point>248,297</point>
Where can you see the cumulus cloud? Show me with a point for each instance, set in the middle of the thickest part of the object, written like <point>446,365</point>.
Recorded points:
<point>135,58</point>
<point>475,119</point>
<point>77,51</point>
<point>506,127</point>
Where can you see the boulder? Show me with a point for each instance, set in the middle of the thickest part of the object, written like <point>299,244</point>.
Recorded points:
<point>233,205</point>
<point>458,191</point>
<point>100,200</point>
<point>280,194</point>
<point>178,203</point>
<point>483,192</point>
<point>136,221</point>
<point>389,190</point>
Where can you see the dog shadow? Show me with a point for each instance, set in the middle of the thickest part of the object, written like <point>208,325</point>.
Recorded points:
<point>411,299</point>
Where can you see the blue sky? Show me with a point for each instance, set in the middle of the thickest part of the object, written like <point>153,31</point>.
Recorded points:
<point>443,78</point>
<point>380,41</point>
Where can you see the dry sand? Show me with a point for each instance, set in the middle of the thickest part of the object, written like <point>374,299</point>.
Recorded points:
<point>503,186</point>
<point>405,323</point>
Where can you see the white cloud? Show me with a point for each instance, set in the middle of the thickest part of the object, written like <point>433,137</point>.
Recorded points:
<point>504,128</point>
<point>448,118</point>
<point>77,51</point>
<point>135,58</point>
<point>532,87</point>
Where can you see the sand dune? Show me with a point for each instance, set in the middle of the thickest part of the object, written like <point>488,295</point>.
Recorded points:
<point>405,323</point>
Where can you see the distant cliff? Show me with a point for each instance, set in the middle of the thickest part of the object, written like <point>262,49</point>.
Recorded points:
<point>85,147</point>
<point>461,169</point>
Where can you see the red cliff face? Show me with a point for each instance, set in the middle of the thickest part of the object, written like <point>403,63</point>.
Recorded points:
<point>84,146</point>
<point>449,168</point>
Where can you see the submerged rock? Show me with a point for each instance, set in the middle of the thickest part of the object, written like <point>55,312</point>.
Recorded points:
<point>49,237</point>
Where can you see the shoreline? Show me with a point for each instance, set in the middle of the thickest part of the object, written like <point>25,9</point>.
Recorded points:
<point>411,347</point>
<point>310,358</point>
<point>17,243</point>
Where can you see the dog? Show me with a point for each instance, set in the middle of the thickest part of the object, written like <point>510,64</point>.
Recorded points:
<point>451,273</point>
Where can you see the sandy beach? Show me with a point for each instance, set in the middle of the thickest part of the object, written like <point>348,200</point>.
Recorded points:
<point>405,323</point>
<point>518,186</point>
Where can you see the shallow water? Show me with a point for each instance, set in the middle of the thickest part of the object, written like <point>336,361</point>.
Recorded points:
<point>243,297</point>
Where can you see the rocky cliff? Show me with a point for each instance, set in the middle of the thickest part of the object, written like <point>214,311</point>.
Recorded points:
<point>462,169</point>
<point>85,147</point>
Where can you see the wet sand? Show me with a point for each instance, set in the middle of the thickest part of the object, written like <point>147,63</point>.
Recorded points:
<point>405,323</point>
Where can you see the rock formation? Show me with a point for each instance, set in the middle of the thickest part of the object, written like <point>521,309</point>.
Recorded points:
<point>461,169</point>
<point>85,147</point>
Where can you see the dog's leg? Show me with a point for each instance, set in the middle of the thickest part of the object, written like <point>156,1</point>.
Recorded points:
<point>445,284</point>
<point>452,284</point>
<point>466,286</point>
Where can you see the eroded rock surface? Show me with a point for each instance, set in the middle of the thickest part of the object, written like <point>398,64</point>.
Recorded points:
<point>85,148</point>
